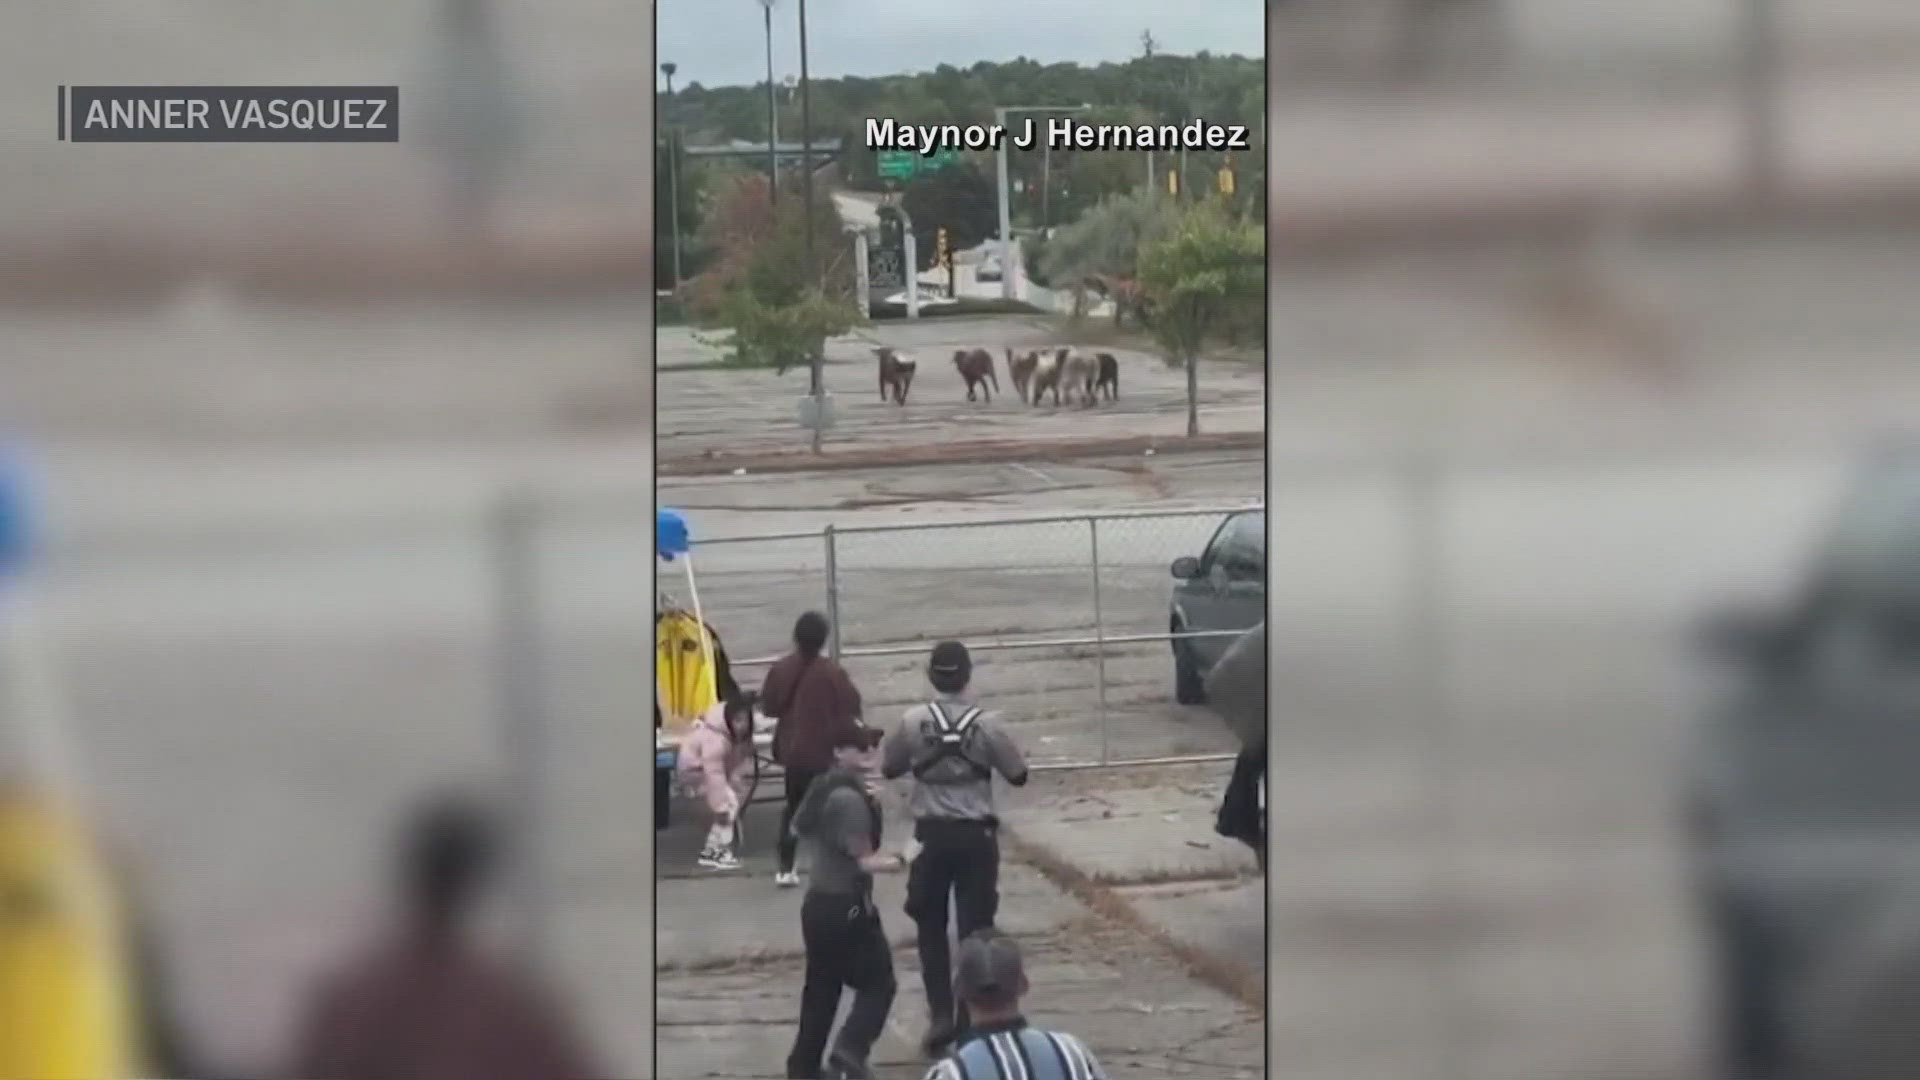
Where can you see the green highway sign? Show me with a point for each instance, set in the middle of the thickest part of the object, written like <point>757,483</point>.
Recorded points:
<point>906,164</point>
<point>898,164</point>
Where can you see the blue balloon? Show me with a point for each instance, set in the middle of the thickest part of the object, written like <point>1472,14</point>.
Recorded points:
<point>14,535</point>
<point>670,535</point>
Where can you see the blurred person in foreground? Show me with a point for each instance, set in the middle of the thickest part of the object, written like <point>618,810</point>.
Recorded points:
<point>952,748</point>
<point>422,1002</point>
<point>991,977</point>
<point>815,704</point>
<point>839,921</point>
<point>1237,690</point>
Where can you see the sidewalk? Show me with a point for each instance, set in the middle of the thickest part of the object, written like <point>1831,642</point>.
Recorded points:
<point>729,959</point>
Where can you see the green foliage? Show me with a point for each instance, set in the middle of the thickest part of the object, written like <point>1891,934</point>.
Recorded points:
<point>778,308</point>
<point>1210,265</point>
<point>961,199</point>
<point>1107,241</point>
<point>1198,279</point>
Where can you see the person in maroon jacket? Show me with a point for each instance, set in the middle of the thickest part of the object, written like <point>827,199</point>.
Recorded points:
<point>423,1002</point>
<point>816,704</point>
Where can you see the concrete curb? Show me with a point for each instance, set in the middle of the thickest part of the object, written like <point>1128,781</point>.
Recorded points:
<point>1245,985</point>
<point>960,453</point>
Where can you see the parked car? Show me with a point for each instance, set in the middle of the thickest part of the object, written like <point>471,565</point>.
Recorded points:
<point>1223,592</point>
<point>1803,809</point>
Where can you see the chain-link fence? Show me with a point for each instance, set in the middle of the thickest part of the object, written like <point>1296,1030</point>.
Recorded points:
<point>1068,617</point>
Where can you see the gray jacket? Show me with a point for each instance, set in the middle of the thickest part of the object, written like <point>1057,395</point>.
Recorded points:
<point>1237,687</point>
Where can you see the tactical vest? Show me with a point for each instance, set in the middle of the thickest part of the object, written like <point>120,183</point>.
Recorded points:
<point>951,737</point>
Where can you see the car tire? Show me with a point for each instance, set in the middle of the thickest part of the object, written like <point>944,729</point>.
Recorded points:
<point>1188,686</point>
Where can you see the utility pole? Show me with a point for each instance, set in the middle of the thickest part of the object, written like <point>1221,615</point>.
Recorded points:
<point>1000,114</point>
<point>673,175</point>
<point>773,113</point>
<point>817,377</point>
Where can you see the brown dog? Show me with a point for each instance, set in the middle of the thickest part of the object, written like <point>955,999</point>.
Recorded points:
<point>1046,374</point>
<point>1108,378</point>
<point>976,366</point>
<point>1021,370</point>
<point>896,375</point>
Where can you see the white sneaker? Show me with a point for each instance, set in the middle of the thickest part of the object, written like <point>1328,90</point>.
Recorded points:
<point>787,879</point>
<point>720,859</point>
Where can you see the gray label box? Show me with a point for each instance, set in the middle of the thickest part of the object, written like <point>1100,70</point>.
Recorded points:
<point>230,114</point>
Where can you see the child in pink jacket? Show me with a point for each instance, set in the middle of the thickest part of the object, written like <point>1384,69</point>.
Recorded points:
<point>714,758</point>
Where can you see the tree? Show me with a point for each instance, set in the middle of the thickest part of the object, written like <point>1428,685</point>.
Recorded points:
<point>1211,264</point>
<point>958,198</point>
<point>780,310</point>
<point>1103,248</point>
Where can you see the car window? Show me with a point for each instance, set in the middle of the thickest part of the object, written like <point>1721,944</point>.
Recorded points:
<point>1239,548</point>
<point>1877,534</point>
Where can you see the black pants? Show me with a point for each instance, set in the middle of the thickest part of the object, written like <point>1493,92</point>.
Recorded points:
<point>961,859</point>
<point>798,780</point>
<point>1240,816</point>
<point>846,947</point>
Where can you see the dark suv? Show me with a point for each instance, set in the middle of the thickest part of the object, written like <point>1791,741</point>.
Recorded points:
<point>1222,593</point>
<point>1804,803</point>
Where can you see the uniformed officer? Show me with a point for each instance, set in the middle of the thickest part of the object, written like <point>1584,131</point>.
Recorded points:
<point>952,748</point>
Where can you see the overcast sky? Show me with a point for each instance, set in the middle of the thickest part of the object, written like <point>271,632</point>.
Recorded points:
<point>723,42</point>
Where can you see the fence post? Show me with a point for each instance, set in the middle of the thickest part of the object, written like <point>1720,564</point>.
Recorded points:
<point>521,699</point>
<point>833,592</point>
<point>1099,634</point>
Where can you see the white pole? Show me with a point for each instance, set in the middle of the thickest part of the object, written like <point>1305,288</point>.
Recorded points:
<point>706,640</point>
<point>861,290</point>
<point>913,274</point>
<point>1006,225</point>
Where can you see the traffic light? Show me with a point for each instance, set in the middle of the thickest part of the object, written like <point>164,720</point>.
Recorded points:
<point>1226,180</point>
<point>942,251</point>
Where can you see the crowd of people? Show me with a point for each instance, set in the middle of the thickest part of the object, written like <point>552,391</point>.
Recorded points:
<point>949,749</point>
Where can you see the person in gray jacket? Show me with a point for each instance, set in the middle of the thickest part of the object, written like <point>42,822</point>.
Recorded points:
<point>952,748</point>
<point>1237,690</point>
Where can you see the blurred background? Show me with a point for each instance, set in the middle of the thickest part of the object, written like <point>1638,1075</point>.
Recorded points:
<point>1583,318</point>
<point>273,395</point>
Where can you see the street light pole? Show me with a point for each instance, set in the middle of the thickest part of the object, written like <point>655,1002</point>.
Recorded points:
<point>773,113</point>
<point>673,177</point>
<point>807,216</point>
<point>1006,227</point>
<point>1000,114</point>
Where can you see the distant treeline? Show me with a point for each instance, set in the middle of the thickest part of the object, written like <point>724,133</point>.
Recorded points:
<point>1149,89</point>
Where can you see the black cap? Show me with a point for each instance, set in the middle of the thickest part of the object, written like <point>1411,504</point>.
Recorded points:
<point>950,658</point>
<point>858,737</point>
<point>988,967</point>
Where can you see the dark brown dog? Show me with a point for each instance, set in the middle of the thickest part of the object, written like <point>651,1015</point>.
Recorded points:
<point>896,375</point>
<point>1108,378</point>
<point>976,366</point>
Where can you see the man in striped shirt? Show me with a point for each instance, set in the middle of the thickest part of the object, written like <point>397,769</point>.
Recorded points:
<point>990,977</point>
